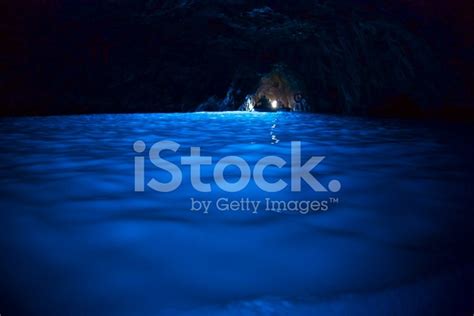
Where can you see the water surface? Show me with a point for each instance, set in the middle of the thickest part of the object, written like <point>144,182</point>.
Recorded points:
<point>77,239</point>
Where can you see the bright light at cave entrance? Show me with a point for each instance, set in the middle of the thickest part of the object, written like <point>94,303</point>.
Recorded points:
<point>274,104</point>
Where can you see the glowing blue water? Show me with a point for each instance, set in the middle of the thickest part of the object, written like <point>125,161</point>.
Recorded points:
<point>76,239</point>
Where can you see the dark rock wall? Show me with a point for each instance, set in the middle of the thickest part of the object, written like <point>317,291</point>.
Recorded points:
<point>146,56</point>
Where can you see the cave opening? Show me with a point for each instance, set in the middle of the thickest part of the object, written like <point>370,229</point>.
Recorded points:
<point>278,90</point>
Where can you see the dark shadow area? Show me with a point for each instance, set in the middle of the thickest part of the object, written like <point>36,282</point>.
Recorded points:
<point>407,59</point>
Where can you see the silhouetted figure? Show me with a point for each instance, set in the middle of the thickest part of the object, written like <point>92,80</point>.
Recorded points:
<point>263,105</point>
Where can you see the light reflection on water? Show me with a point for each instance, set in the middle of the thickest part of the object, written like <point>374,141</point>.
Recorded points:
<point>76,235</point>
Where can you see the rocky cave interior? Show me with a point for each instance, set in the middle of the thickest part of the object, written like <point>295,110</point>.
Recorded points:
<point>277,90</point>
<point>215,55</point>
